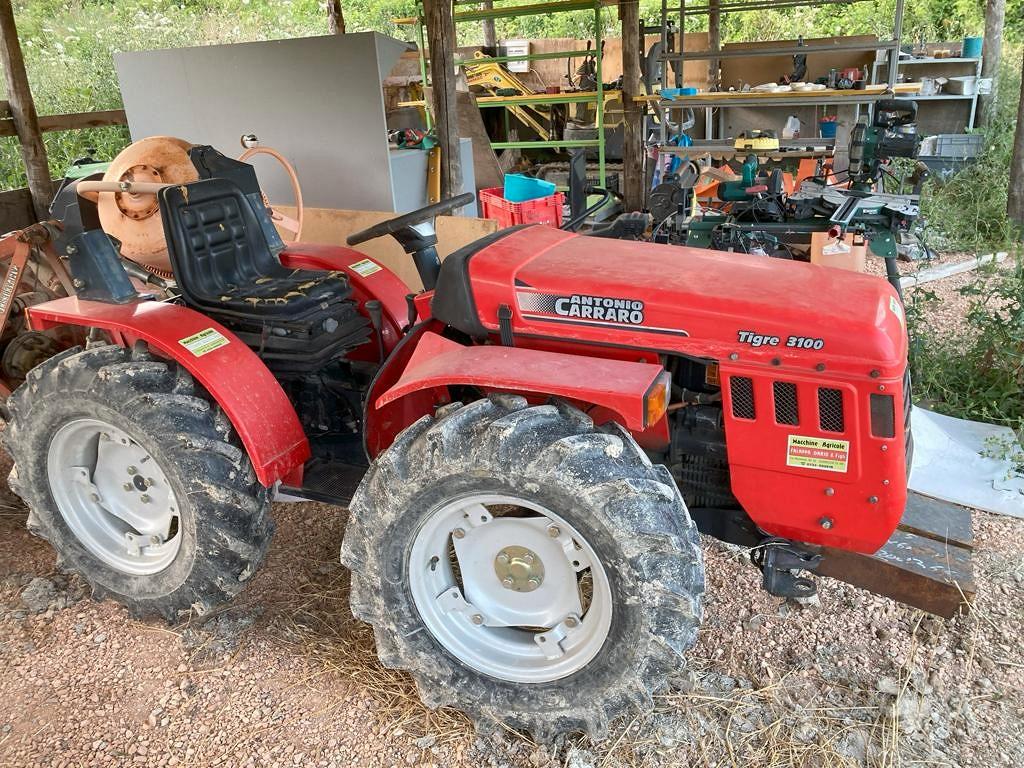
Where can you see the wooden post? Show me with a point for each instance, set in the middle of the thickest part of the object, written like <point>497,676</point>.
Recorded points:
<point>490,36</point>
<point>1015,198</point>
<point>441,47</point>
<point>335,18</point>
<point>714,44</point>
<point>633,181</point>
<point>23,114</point>
<point>995,15</point>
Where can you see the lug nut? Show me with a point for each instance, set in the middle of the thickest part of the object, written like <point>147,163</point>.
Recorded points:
<point>502,557</point>
<point>150,482</point>
<point>553,531</point>
<point>144,498</point>
<point>154,540</point>
<point>128,486</point>
<point>94,496</point>
<point>528,558</point>
<point>458,533</point>
<point>571,622</point>
<point>508,581</point>
<point>534,581</point>
<point>477,619</point>
<point>133,471</point>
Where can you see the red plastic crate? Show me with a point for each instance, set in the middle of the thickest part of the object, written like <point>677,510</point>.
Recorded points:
<point>543,210</point>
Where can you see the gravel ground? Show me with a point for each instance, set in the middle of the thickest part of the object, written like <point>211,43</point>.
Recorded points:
<point>285,676</point>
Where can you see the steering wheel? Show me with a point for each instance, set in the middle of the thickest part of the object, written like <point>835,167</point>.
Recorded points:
<point>287,223</point>
<point>391,226</point>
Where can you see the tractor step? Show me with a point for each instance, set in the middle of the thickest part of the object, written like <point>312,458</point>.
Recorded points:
<point>926,563</point>
<point>332,482</point>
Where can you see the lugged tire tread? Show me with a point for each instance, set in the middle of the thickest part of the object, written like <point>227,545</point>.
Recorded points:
<point>161,398</point>
<point>571,451</point>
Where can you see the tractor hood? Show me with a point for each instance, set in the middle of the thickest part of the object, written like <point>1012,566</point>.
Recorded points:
<point>707,304</point>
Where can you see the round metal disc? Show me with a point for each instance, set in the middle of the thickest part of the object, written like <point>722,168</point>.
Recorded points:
<point>134,219</point>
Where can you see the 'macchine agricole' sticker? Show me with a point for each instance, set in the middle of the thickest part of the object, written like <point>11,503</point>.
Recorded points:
<point>204,342</point>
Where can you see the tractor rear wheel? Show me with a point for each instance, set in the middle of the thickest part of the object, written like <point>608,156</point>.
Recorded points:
<point>136,480</point>
<point>524,566</point>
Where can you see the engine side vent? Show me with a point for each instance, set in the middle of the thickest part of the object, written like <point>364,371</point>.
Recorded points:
<point>742,390</point>
<point>830,410</point>
<point>883,416</point>
<point>786,410</point>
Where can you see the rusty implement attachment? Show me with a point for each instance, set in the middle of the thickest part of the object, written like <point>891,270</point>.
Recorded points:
<point>926,563</point>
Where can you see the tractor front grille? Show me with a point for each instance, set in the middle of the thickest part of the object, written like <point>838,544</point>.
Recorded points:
<point>786,408</point>
<point>831,417</point>
<point>742,390</point>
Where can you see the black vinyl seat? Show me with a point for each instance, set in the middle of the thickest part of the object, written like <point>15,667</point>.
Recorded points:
<point>225,261</point>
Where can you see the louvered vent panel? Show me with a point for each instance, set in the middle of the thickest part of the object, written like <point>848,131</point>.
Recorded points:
<point>742,390</point>
<point>830,410</point>
<point>786,410</point>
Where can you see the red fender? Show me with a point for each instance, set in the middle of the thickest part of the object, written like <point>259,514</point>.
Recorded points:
<point>616,385</point>
<point>237,379</point>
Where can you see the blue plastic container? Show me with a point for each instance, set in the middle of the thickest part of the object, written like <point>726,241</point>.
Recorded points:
<point>827,128</point>
<point>519,188</point>
<point>972,47</point>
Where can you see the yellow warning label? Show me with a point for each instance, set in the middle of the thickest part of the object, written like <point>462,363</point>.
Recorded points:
<point>365,267</point>
<point>203,342</point>
<point>818,453</point>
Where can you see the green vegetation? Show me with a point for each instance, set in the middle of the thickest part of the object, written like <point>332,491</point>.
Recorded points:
<point>976,370</point>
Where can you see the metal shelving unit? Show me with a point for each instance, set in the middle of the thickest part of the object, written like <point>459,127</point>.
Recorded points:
<point>710,100</point>
<point>938,62</point>
<point>596,97</point>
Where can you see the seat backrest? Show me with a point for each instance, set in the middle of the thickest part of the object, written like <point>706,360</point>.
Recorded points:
<point>215,240</point>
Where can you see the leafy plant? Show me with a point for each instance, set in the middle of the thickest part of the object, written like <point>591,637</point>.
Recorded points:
<point>975,371</point>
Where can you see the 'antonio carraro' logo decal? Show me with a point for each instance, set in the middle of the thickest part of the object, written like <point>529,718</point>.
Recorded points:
<point>585,309</point>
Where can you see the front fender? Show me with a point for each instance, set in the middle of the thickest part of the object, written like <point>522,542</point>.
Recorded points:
<point>234,376</point>
<point>616,387</point>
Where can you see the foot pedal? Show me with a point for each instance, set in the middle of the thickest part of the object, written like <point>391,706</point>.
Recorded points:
<point>778,560</point>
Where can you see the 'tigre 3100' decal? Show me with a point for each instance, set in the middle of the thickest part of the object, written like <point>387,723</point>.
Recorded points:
<point>755,339</point>
<point>586,309</point>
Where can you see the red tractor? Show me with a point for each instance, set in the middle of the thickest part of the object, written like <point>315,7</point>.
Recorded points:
<point>528,447</point>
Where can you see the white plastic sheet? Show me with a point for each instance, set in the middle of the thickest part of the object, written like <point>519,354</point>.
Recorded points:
<point>966,462</point>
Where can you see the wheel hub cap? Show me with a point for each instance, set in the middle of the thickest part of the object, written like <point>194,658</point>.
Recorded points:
<point>114,497</point>
<point>519,569</point>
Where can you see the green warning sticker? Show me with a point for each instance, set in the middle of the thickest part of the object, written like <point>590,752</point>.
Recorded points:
<point>818,453</point>
<point>896,308</point>
<point>365,267</point>
<point>204,342</point>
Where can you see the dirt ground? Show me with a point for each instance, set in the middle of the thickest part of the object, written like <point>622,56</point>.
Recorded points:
<point>286,677</point>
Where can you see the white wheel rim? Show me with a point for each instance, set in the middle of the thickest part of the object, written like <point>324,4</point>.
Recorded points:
<point>114,497</point>
<point>497,581</point>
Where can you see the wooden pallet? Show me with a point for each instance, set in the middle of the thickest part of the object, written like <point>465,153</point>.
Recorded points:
<point>926,563</point>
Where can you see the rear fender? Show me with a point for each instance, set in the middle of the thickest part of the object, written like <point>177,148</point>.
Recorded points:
<point>234,376</point>
<point>616,388</point>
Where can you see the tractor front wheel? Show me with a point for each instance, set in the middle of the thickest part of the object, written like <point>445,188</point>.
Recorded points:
<point>136,480</point>
<point>524,566</point>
